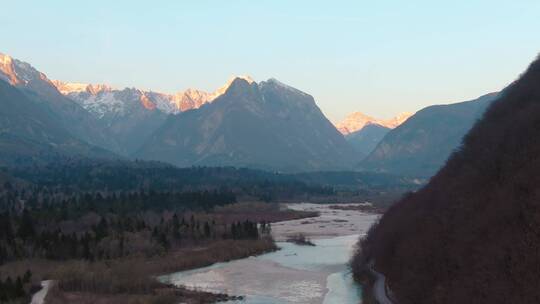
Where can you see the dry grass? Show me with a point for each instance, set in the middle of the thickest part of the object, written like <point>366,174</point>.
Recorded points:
<point>259,212</point>
<point>160,296</point>
<point>128,280</point>
<point>367,208</point>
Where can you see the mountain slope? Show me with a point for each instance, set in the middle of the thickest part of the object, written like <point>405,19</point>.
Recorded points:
<point>267,126</point>
<point>30,132</point>
<point>367,138</point>
<point>131,115</point>
<point>40,89</point>
<point>422,144</point>
<point>472,235</point>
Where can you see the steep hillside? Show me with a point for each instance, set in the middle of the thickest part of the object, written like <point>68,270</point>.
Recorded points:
<point>266,126</point>
<point>41,90</point>
<point>367,138</point>
<point>472,235</point>
<point>421,145</point>
<point>129,116</point>
<point>30,132</point>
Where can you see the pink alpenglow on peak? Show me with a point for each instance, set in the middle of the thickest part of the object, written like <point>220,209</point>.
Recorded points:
<point>398,120</point>
<point>357,121</point>
<point>19,73</point>
<point>194,99</point>
<point>77,87</point>
<point>101,98</point>
<point>6,66</point>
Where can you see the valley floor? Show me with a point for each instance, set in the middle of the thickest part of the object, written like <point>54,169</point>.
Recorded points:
<point>296,273</point>
<point>130,279</point>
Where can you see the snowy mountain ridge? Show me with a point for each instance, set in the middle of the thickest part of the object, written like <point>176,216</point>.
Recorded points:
<point>102,99</point>
<point>17,72</point>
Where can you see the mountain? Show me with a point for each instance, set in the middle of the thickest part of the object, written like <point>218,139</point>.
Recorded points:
<point>265,125</point>
<point>472,235</point>
<point>131,115</point>
<point>422,144</point>
<point>357,120</point>
<point>30,132</point>
<point>367,138</point>
<point>36,86</point>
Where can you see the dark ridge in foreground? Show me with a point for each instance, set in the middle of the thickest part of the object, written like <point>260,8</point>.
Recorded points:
<point>472,235</point>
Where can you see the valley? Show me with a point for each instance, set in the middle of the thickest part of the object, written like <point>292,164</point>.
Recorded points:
<point>190,183</point>
<point>295,273</point>
<point>90,227</point>
<point>269,152</point>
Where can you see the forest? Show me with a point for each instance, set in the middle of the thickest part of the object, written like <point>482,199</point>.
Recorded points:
<point>105,213</point>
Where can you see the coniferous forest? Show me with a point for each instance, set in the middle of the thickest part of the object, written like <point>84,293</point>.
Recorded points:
<point>106,211</point>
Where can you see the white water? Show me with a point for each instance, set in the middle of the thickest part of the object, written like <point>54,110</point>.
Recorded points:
<point>294,274</point>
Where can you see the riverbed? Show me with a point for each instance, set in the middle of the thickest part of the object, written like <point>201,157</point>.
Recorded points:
<point>294,274</point>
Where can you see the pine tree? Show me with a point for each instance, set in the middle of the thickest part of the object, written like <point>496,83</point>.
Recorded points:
<point>19,288</point>
<point>27,276</point>
<point>206,230</point>
<point>26,226</point>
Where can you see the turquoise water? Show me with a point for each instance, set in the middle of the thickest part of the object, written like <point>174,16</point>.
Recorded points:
<point>294,274</point>
<point>328,253</point>
<point>342,289</point>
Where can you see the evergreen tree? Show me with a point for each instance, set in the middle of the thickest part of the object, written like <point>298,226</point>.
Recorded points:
<point>206,230</point>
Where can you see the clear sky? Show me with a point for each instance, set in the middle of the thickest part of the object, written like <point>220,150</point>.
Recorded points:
<point>378,57</point>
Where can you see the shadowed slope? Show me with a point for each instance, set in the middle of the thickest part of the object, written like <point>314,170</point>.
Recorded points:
<point>421,145</point>
<point>29,131</point>
<point>472,235</point>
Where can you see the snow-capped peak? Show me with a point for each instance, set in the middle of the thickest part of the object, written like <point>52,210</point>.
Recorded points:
<point>77,87</point>
<point>244,77</point>
<point>358,120</point>
<point>193,98</point>
<point>69,87</point>
<point>7,70</point>
<point>220,91</point>
<point>281,85</point>
<point>17,72</point>
<point>5,59</point>
<point>103,99</point>
<point>398,119</point>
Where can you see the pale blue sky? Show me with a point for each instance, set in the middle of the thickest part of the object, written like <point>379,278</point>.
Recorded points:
<point>378,57</point>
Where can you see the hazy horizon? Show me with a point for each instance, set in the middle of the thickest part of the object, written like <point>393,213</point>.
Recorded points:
<point>376,58</point>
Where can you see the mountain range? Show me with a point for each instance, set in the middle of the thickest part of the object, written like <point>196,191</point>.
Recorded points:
<point>30,131</point>
<point>266,125</point>
<point>38,88</point>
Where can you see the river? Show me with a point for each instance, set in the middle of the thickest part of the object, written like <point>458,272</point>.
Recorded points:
<point>294,274</point>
